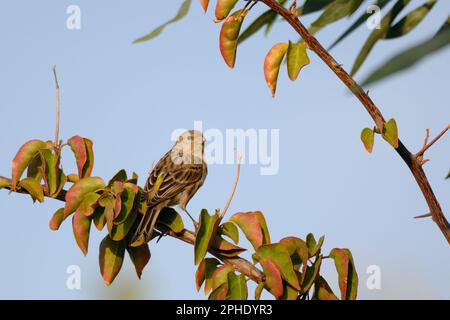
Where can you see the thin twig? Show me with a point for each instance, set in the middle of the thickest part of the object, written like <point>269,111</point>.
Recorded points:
<point>410,160</point>
<point>427,146</point>
<point>423,216</point>
<point>58,107</point>
<point>238,172</point>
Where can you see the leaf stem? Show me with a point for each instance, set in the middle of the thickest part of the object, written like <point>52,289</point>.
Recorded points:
<point>58,108</point>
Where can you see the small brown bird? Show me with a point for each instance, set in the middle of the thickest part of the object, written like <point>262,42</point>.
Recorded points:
<point>173,181</point>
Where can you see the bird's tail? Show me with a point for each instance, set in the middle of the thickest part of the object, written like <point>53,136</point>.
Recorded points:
<point>146,227</point>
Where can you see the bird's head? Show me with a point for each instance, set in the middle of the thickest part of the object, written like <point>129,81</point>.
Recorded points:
<point>189,147</point>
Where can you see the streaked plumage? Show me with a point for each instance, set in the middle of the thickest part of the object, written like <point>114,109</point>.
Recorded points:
<point>177,177</point>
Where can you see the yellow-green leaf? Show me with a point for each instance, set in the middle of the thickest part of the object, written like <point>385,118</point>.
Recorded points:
<point>297,58</point>
<point>140,256</point>
<point>390,133</point>
<point>348,278</point>
<point>207,228</point>
<point>368,138</point>
<point>223,8</point>
<point>81,226</point>
<point>57,219</point>
<point>79,190</point>
<point>237,287</point>
<point>33,188</point>
<point>230,230</point>
<point>111,258</point>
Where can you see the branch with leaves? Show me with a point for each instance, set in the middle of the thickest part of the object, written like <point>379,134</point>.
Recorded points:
<point>296,55</point>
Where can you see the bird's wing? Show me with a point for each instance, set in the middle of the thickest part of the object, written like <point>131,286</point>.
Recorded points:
<point>170,179</point>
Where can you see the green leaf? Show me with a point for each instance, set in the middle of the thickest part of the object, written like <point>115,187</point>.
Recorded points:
<point>378,34</point>
<point>140,256</point>
<point>49,171</point>
<point>171,219</point>
<point>57,219</point>
<point>229,34</point>
<point>297,58</point>
<point>81,226</point>
<point>230,230</point>
<point>79,190</point>
<point>119,231</point>
<point>312,6</point>
<point>322,290</point>
<point>411,20</point>
<point>207,227</point>
<point>272,64</point>
<point>182,12</point>
<point>335,11</point>
<point>390,133</point>
<point>264,19</point>
<point>99,218</point>
<point>120,176</point>
<point>279,256</point>
<point>254,226</point>
<point>298,250</point>
<point>348,278</point>
<point>363,18</point>
<point>289,293</point>
<point>24,156</point>
<point>259,288</point>
<point>237,287</point>
<point>210,266</point>
<point>33,170</point>
<point>33,188</point>
<point>127,196</point>
<point>111,258</point>
<point>368,138</point>
<point>4,183</point>
<point>411,56</point>
<point>311,275</point>
<point>223,8</point>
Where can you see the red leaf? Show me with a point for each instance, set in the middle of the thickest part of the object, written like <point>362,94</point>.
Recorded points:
<point>111,258</point>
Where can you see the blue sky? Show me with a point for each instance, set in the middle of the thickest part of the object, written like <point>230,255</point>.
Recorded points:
<point>129,98</point>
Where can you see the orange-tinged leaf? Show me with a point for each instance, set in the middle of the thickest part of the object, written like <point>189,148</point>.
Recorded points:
<point>289,293</point>
<point>279,256</point>
<point>33,188</point>
<point>348,278</point>
<point>119,231</point>
<point>78,147</point>
<point>310,276</point>
<point>81,226</point>
<point>57,219</point>
<point>274,283</point>
<point>89,203</point>
<point>223,8</point>
<point>127,202</point>
<point>220,275</point>
<point>272,65</point>
<point>368,139</point>
<point>79,190</point>
<point>84,155</point>
<point>207,228</point>
<point>99,218</point>
<point>204,4</point>
<point>229,35</point>
<point>254,226</point>
<point>219,293</point>
<point>204,272</point>
<point>33,170</point>
<point>390,133</point>
<point>24,156</point>
<point>73,178</point>
<point>297,58</point>
<point>140,256</point>
<point>322,290</point>
<point>111,258</point>
<point>225,248</point>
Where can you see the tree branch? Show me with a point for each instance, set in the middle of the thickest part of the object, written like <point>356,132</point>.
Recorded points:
<point>239,264</point>
<point>412,161</point>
